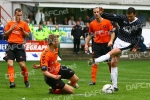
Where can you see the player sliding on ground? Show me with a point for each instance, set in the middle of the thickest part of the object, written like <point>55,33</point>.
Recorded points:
<point>53,71</point>
<point>128,37</point>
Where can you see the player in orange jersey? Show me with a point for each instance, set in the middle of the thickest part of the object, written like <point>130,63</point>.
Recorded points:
<point>101,31</point>
<point>16,31</point>
<point>53,71</point>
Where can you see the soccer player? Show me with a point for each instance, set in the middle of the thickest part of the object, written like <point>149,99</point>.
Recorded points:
<point>53,71</point>
<point>16,31</point>
<point>128,37</point>
<point>103,38</point>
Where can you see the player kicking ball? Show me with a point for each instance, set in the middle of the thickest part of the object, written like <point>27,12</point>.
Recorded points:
<point>128,37</point>
<point>53,71</point>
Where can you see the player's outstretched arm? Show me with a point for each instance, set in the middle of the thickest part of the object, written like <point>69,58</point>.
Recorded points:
<point>36,66</point>
<point>110,16</point>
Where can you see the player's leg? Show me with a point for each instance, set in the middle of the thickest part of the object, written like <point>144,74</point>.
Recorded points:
<point>68,89</point>
<point>9,58</point>
<point>73,81</point>
<point>107,56</point>
<point>58,86</point>
<point>118,46</point>
<point>74,42</point>
<point>96,53</point>
<point>105,50</point>
<point>67,73</point>
<point>21,59</point>
<point>114,71</point>
<point>109,66</point>
<point>24,71</point>
<point>94,70</point>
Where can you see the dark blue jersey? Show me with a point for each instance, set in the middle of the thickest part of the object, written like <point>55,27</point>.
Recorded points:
<point>129,31</point>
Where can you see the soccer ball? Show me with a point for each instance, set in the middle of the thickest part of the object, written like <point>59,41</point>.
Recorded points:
<point>108,89</point>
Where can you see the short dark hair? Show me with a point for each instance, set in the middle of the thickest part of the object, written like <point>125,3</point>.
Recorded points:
<point>131,10</point>
<point>18,9</point>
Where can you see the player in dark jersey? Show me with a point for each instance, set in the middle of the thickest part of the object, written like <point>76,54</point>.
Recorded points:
<point>128,37</point>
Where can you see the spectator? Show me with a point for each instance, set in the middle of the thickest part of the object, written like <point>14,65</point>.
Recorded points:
<point>1,31</point>
<point>46,29</point>
<point>76,33</point>
<point>31,26</point>
<point>40,17</point>
<point>65,21</point>
<point>59,33</point>
<point>92,18</point>
<point>39,34</point>
<point>87,19</point>
<point>71,21</point>
<point>148,23</point>
<point>55,22</point>
<point>80,21</point>
<point>141,17</point>
<point>50,22</point>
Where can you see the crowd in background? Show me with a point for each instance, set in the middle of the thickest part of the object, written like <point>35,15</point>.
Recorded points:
<point>43,30</point>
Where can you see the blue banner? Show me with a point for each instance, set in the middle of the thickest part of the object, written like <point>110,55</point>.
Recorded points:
<point>67,38</point>
<point>3,45</point>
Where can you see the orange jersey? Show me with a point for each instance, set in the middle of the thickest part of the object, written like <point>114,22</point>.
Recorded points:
<point>101,30</point>
<point>49,59</point>
<point>16,36</point>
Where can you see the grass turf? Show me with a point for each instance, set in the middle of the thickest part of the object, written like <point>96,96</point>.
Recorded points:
<point>133,82</point>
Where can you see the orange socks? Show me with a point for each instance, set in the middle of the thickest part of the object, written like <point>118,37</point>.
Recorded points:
<point>25,73</point>
<point>94,72</point>
<point>73,83</point>
<point>58,91</point>
<point>11,73</point>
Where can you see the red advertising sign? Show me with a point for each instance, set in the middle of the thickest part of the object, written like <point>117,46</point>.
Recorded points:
<point>35,46</point>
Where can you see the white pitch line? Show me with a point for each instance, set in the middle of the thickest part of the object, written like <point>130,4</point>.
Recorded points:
<point>78,94</point>
<point>121,81</point>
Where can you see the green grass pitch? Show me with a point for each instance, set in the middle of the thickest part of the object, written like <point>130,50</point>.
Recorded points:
<point>133,82</point>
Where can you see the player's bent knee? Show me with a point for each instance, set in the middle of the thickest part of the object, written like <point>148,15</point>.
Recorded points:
<point>74,78</point>
<point>68,89</point>
<point>115,51</point>
<point>114,64</point>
